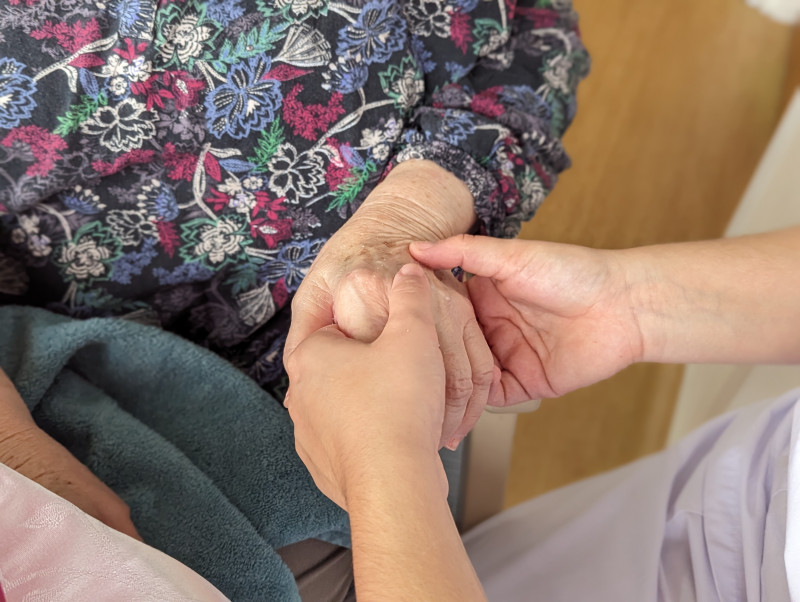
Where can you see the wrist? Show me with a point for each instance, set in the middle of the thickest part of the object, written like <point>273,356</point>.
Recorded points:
<point>376,472</point>
<point>418,200</point>
<point>656,301</point>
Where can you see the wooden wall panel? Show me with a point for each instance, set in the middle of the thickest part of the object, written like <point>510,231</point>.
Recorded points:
<point>681,102</point>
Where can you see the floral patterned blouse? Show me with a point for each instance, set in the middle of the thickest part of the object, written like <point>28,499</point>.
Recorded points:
<point>182,162</point>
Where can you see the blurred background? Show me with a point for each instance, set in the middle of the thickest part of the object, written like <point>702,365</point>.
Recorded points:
<point>682,100</point>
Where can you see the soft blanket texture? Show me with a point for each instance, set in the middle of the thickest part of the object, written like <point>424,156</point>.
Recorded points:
<point>202,455</point>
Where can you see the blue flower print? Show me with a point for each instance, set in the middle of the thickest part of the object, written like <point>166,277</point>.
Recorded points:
<point>135,17</point>
<point>346,75</point>
<point>118,87</point>
<point>245,102</point>
<point>224,11</point>
<point>16,93</point>
<point>292,263</point>
<point>379,31</point>
<point>466,6</point>
<point>526,100</point>
<point>456,70</point>
<point>423,55</point>
<point>82,200</point>
<point>184,274</point>
<point>456,126</point>
<point>132,263</point>
<point>158,199</point>
<point>166,205</point>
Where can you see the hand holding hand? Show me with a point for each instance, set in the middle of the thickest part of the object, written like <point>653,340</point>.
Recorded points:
<point>349,282</point>
<point>557,317</point>
<point>34,454</point>
<point>359,406</point>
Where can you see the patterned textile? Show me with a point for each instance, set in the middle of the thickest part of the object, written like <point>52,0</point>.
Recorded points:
<point>183,162</point>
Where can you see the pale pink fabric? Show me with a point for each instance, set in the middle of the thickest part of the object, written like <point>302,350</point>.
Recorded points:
<point>51,550</point>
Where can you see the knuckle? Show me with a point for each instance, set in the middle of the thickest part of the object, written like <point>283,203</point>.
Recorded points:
<point>483,376</point>
<point>458,390</point>
<point>362,286</point>
<point>362,278</point>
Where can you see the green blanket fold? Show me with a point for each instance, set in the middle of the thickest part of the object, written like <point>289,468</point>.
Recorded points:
<point>202,455</point>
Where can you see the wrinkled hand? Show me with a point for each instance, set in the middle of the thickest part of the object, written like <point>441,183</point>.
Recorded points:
<point>349,283</point>
<point>359,406</point>
<point>34,454</point>
<point>557,317</point>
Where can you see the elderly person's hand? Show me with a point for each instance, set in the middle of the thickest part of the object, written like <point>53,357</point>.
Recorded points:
<point>348,284</point>
<point>30,451</point>
<point>557,317</point>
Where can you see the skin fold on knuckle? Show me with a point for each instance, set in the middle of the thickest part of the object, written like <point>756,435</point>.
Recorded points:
<point>458,390</point>
<point>482,378</point>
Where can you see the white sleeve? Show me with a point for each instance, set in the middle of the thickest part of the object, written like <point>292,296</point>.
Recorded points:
<point>786,11</point>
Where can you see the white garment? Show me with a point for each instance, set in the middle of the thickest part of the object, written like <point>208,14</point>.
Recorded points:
<point>787,11</point>
<point>705,520</point>
<point>53,551</point>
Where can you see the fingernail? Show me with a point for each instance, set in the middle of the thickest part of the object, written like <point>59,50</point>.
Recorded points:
<point>411,269</point>
<point>452,445</point>
<point>422,245</point>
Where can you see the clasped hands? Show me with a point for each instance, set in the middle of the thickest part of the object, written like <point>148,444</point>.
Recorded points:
<point>349,283</point>
<point>538,320</point>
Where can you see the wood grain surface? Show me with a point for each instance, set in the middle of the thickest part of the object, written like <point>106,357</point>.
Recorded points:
<point>681,102</point>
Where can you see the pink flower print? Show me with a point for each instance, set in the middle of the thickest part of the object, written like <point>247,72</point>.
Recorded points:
<point>180,166</point>
<point>271,231</point>
<point>309,121</point>
<point>460,30</point>
<point>44,146</point>
<point>486,104</point>
<point>267,206</point>
<point>133,157</point>
<point>70,36</point>
<point>184,89</point>
<point>175,85</point>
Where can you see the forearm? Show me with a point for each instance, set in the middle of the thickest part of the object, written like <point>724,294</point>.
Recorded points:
<point>405,543</point>
<point>729,300</point>
<point>14,415</point>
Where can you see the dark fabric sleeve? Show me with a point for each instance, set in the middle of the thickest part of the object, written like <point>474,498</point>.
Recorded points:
<point>500,92</point>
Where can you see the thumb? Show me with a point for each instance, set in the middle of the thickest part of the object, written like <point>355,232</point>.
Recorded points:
<point>411,302</point>
<point>313,351</point>
<point>479,255</point>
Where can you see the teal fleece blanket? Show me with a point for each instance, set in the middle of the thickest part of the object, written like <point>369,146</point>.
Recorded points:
<point>202,455</point>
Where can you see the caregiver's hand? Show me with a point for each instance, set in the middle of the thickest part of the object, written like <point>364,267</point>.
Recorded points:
<point>349,282</point>
<point>557,317</point>
<point>367,421</point>
<point>34,454</point>
<point>360,409</point>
